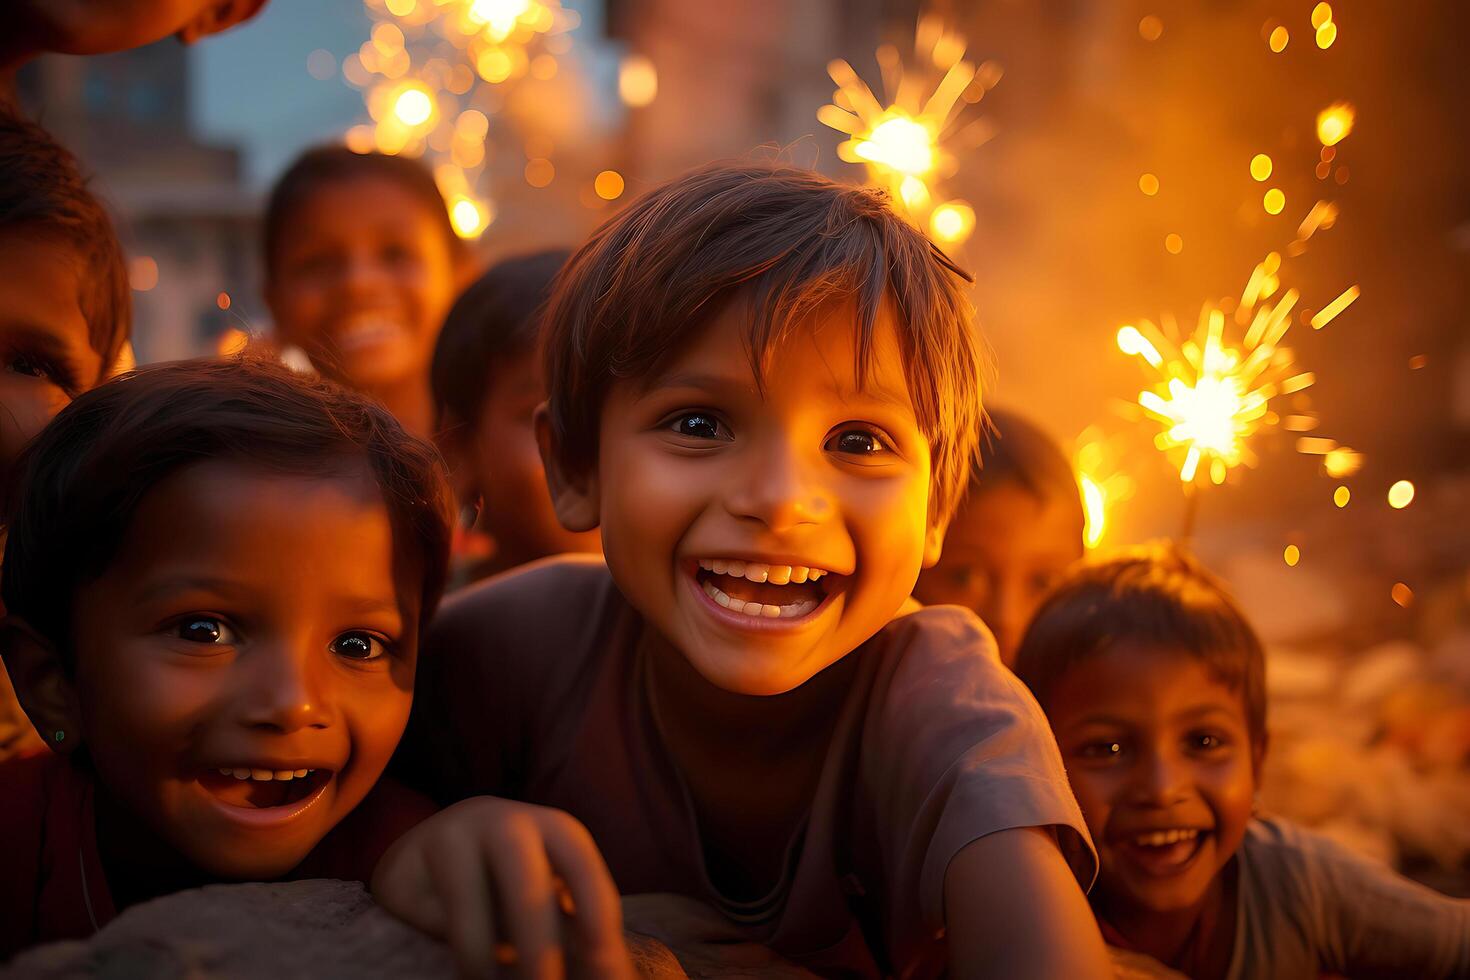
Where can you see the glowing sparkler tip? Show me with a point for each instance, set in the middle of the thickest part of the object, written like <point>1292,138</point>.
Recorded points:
<point>952,222</point>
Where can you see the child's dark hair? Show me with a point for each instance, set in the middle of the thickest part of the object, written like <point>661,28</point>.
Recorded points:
<point>85,475</point>
<point>1016,451</point>
<point>495,320</point>
<point>790,241</point>
<point>1156,597</point>
<point>325,165</point>
<point>42,191</point>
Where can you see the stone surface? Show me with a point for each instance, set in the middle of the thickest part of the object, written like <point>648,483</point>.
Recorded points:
<point>301,930</point>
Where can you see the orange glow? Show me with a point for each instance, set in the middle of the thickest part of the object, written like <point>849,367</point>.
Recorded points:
<point>1292,555</point>
<point>952,222</point>
<point>1401,594</point>
<point>1326,315</point>
<point>1274,201</point>
<point>1279,38</point>
<point>1321,14</point>
<point>539,172</point>
<point>1335,122</point>
<point>637,81</point>
<point>1151,28</point>
<point>413,105</point>
<point>222,301</point>
<point>1401,495</point>
<point>1149,184</point>
<point>1260,166</point>
<point>609,185</point>
<point>1341,496</point>
<point>1342,462</point>
<point>1173,244</point>
<point>231,342</point>
<point>468,216</point>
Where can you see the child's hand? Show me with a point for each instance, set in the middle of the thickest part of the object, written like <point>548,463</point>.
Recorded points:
<point>508,883</point>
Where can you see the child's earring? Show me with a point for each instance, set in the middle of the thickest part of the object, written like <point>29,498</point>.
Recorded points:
<point>58,736</point>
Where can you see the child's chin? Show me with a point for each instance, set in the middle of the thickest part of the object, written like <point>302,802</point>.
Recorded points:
<point>734,671</point>
<point>240,864</point>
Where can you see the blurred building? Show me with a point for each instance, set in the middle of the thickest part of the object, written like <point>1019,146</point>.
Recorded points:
<point>187,222</point>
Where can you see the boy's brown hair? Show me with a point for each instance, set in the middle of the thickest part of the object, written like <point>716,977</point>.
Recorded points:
<point>43,192</point>
<point>85,475</point>
<point>325,165</point>
<point>1156,597</point>
<point>789,241</point>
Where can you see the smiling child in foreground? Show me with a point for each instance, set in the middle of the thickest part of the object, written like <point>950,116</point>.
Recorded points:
<point>765,393</point>
<point>1155,685</point>
<point>215,578</point>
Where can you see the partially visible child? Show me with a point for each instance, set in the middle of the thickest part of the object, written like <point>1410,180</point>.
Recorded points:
<point>1018,529</point>
<point>764,392</point>
<point>361,266</point>
<point>65,310</point>
<point>215,579</point>
<point>33,27</point>
<point>487,384</point>
<point>1154,683</point>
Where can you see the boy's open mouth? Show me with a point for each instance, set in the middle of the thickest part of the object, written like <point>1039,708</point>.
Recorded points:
<point>1161,853</point>
<point>258,789</point>
<point>761,590</point>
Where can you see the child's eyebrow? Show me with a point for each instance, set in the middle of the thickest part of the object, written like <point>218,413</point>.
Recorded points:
<point>707,382</point>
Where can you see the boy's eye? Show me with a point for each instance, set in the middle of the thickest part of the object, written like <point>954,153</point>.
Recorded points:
<point>358,645</point>
<point>700,425</point>
<point>1205,742</point>
<point>205,629</point>
<point>856,442</point>
<point>1102,750</point>
<point>43,368</point>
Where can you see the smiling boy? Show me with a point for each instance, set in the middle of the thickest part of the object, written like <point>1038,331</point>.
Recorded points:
<point>764,392</point>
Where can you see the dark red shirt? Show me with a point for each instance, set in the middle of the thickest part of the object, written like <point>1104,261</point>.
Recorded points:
<point>52,884</point>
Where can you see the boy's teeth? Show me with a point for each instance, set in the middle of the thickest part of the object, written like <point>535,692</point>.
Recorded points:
<point>757,571</point>
<point>1162,838</point>
<point>264,775</point>
<point>758,609</point>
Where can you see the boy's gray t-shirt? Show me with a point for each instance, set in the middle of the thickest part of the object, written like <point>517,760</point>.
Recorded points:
<point>534,686</point>
<point>1308,906</point>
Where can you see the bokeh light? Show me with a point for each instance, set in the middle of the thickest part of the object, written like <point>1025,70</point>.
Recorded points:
<point>608,185</point>
<point>1401,494</point>
<point>637,81</point>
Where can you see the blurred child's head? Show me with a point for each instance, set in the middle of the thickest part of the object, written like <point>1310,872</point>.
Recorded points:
<point>65,308</point>
<point>100,26</point>
<point>215,578</point>
<point>361,265</point>
<point>1154,683</point>
<point>1017,530</point>
<point>487,383</point>
<point>765,390</point>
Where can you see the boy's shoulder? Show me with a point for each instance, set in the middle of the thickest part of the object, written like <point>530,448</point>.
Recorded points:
<point>534,603</point>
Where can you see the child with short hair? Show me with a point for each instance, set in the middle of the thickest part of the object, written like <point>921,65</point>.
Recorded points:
<point>1018,529</point>
<point>1154,683</point>
<point>764,392</point>
<point>65,310</point>
<point>361,265</point>
<point>487,383</point>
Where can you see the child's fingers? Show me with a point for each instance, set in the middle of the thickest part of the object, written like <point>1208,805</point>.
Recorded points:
<point>460,880</point>
<point>527,901</point>
<point>597,914</point>
<point>402,885</point>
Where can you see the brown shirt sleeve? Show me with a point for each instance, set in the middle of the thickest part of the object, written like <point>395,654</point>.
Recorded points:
<point>955,748</point>
<point>497,670</point>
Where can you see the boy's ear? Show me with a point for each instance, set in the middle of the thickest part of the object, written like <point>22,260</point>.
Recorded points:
<point>934,541</point>
<point>41,685</point>
<point>575,499</point>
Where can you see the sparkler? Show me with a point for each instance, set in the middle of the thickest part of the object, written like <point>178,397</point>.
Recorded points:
<point>1100,482</point>
<point>427,71</point>
<point>1212,395</point>
<point>909,140</point>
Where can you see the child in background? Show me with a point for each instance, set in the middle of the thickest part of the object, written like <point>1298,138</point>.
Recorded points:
<point>1018,529</point>
<point>1154,683</point>
<point>487,383</point>
<point>65,310</point>
<point>361,265</point>
<point>764,392</point>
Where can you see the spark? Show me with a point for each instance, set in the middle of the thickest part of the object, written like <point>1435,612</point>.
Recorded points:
<point>908,140</point>
<point>1101,485</point>
<point>1211,395</point>
<point>1329,312</point>
<point>1335,122</point>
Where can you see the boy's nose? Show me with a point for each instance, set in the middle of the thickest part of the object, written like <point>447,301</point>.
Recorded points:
<point>779,490</point>
<point>282,692</point>
<point>1162,778</point>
